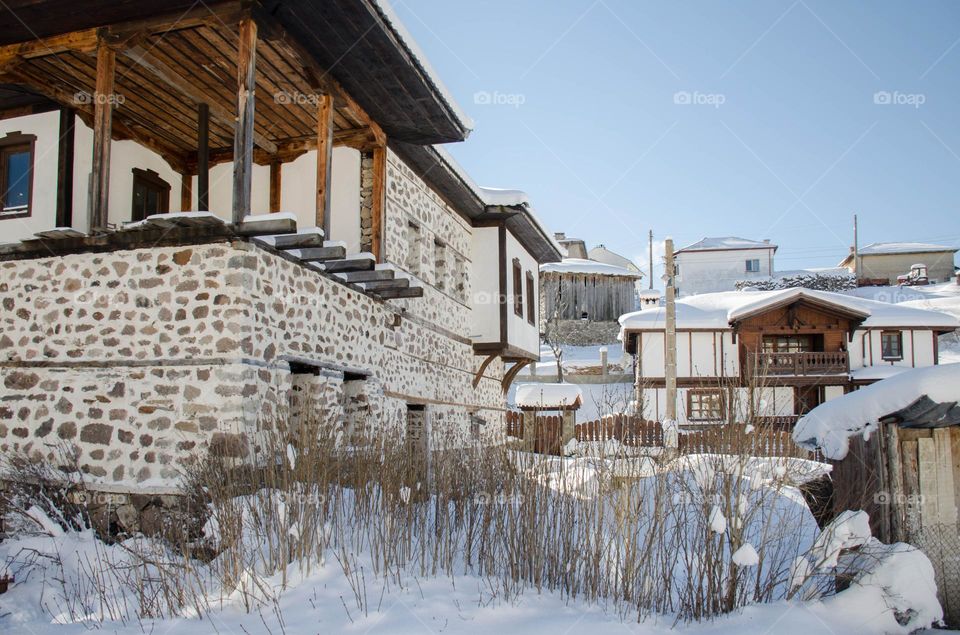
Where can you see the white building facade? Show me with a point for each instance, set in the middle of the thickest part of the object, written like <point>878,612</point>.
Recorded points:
<point>717,264</point>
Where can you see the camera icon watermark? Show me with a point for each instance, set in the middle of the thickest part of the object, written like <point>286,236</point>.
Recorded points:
<point>496,98</point>
<point>885,498</point>
<point>696,98</point>
<point>898,98</point>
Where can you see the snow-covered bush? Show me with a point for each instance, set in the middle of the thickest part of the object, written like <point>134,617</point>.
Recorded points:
<point>806,280</point>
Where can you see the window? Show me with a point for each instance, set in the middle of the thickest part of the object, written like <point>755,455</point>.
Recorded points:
<point>439,264</point>
<point>753,265</point>
<point>517,288</point>
<point>704,405</point>
<point>792,343</point>
<point>16,175</point>
<point>531,310</point>
<point>151,194</point>
<point>413,248</point>
<point>891,345</point>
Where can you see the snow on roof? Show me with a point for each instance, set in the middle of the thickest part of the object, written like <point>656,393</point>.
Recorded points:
<point>548,396</point>
<point>902,248</point>
<point>421,60</point>
<point>830,425</point>
<point>650,293</point>
<point>726,242</point>
<point>600,253</point>
<point>838,272</point>
<point>579,265</point>
<point>719,310</point>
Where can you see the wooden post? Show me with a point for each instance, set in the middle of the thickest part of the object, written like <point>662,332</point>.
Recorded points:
<point>324,160</point>
<point>671,336</point>
<point>275,172</point>
<point>65,150</point>
<point>378,201</point>
<point>203,158</point>
<point>243,137</point>
<point>186,192</point>
<point>103,99</point>
<point>897,498</point>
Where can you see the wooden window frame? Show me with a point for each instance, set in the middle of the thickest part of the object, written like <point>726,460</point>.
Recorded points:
<point>152,179</point>
<point>701,392</point>
<point>9,144</point>
<point>531,309</point>
<point>899,339</point>
<point>517,288</point>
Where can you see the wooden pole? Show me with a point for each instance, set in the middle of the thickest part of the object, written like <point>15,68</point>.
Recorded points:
<point>671,335</point>
<point>203,157</point>
<point>243,137</point>
<point>275,176</point>
<point>65,150</point>
<point>103,99</point>
<point>379,201</point>
<point>650,254</point>
<point>186,192</point>
<point>324,160</point>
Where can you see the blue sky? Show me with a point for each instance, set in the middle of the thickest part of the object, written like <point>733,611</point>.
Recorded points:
<point>755,118</point>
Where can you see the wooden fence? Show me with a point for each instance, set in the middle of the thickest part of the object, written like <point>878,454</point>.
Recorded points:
<point>760,440</point>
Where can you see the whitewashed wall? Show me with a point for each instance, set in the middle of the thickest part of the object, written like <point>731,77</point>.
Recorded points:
<point>711,271</point>
<point>520,332</point>
<point>770,402</point>
<point>484,300</point>
<point>699,354</point>
<point>918,349</point>
<point>44,206</point>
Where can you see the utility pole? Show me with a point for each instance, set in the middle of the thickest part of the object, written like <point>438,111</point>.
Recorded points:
<point>650,254</point>
<point>856,251</point>
<point>671,361</point>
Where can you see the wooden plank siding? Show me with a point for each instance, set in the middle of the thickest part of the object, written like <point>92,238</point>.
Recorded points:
<point>601,297</point>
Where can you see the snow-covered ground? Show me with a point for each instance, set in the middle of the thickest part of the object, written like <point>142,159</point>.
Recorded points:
<point>578,357</point>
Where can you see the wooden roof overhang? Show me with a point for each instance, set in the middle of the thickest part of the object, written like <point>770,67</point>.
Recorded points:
<point>348,42</point>
<point>854,317</point>
<point>167,65</point>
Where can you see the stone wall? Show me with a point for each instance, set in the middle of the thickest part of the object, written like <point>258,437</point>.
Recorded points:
<point>586,332</point>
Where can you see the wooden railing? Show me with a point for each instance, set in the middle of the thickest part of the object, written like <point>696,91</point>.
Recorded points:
<point>780,422</point>
<point>799,364</point>
<point>629,431</point>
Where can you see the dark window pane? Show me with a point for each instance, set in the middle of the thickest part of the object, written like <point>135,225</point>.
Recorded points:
<point>17,187</point>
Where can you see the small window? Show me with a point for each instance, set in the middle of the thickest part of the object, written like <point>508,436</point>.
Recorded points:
<point>413,248</point>
<point>16,175</point>
<point>517,288</point>
<point>705,405</point>
<point>151,194</point>
<point>753,265</point>
<point>531,309</point>
<point>891,345</point>
<point>439,264</point>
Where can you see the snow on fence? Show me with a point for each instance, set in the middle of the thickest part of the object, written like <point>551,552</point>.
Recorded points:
<point>628,431</point>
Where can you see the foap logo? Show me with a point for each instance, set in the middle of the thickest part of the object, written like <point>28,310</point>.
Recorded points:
<point>287,98</point>
<point>83,98</point>
<point>496,98</point>
<point>696,98</point>
<point>897,98</point>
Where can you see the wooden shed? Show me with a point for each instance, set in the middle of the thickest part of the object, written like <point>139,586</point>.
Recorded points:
<point>576,289</point>
<point>906,476</point>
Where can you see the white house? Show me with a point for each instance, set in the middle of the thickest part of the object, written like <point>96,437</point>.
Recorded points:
<point>717,264</point>
<point>774,354</point>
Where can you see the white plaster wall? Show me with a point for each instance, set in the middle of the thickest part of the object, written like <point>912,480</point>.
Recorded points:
<point>485,296</point>
<point>918,349</point>
<point>712,271</point>
<point>695,354</point>
<point>832,392</point>
<point>520,332</point>
<point>43,209</point>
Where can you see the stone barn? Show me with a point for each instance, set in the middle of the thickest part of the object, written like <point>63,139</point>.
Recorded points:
<point>187,264</point>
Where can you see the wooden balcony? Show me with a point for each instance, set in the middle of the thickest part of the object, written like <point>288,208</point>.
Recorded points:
<point>798,364</point>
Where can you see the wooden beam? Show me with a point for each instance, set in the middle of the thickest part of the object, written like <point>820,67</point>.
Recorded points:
<point>243,137</point>
<point>169,76</point>
<point>65,152</point>
<point>324,161</point>
<point>482,369</point>
<point>85,41</point>
<point>511,374</point>
<point>378,202</point>
<point>103,98</point>
<point>203,157</point>
<point>275,176</point>
<point>186,192</point>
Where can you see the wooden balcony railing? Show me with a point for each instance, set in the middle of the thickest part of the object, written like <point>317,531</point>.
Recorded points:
<point>799,364</point>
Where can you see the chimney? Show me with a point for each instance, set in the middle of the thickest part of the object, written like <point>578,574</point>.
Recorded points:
<point>766,240</point>
<point>560,235</point>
